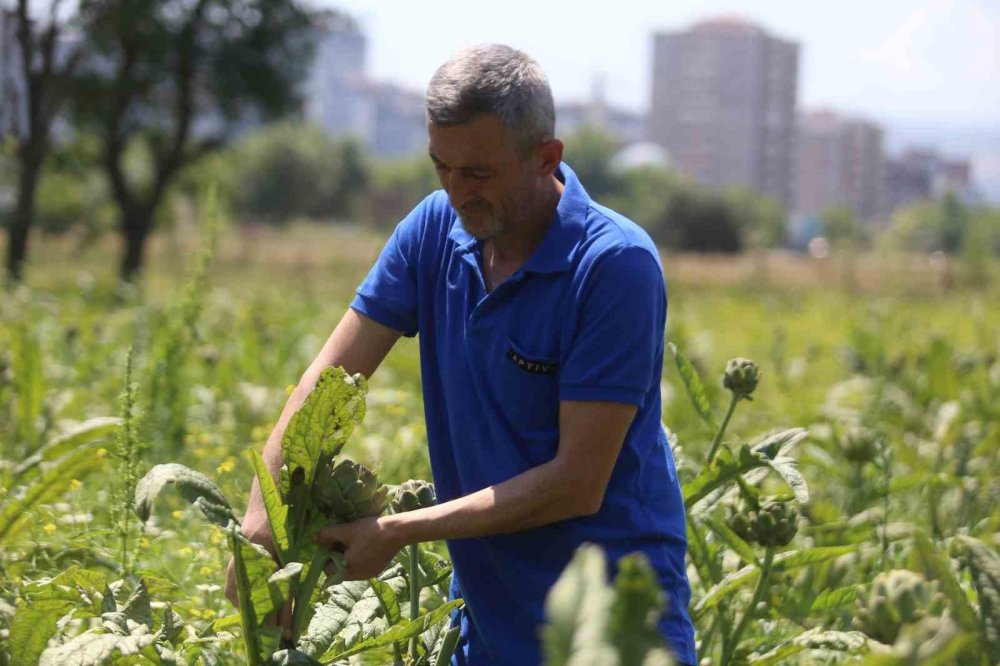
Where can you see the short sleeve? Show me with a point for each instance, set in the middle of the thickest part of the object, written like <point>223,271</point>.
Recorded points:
<point>618,345</point>
<point>389,294</point>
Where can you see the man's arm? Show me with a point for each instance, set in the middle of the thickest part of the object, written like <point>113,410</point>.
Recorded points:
<point>571,484</point>
<point>358,344</point>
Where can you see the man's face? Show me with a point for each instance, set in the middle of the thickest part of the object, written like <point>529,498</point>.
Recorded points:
<point>488,182</point>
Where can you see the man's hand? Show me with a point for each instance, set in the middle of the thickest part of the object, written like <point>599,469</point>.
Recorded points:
<point>367,545</point>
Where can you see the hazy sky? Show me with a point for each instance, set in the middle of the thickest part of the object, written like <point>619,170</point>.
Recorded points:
<point>933,61</point>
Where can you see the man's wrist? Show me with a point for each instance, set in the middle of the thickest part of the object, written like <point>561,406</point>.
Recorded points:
<point>397,529</point>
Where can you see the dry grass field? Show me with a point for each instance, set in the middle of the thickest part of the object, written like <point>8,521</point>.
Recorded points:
<point>311,255</point>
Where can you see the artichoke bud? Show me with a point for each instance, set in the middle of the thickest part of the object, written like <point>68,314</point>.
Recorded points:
<point>347,491</point>
<point>412,495</point>
<point>741,377</point>
<point>776,523</point>
<point>741,521</point>
<point>896,598</point>
<point>859,444</point>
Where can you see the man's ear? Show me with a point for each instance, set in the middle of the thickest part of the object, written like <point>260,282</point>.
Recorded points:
<point>551,154</point>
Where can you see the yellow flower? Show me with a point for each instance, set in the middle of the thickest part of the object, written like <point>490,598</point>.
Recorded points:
<point>177,514</point>
<point>206,571</point>
<point>228,465</point>
<point>289,389</point>
<point>143,542</point>
<point>75,484</point>
<point>101,453</point>
<point>186,551</point>
<point>49,528</point>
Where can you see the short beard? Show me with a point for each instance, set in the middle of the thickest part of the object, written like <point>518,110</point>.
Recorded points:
<point>495,226</point>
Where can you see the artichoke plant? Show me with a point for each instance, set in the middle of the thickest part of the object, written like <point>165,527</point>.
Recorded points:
<point>741,377</point>
<point>896,598</point>
<point>412,495</point>
<point>772,524</point>
<point>347,491</point>
<point>859,444</point>
<point>776,523</point>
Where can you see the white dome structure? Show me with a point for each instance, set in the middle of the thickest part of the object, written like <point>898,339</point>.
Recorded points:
<point>640,154</point>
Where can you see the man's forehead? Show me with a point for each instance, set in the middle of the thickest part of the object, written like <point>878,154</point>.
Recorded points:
<point>484,138</point>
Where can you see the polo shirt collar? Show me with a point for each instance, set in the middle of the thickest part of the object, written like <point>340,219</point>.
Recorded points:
<point>555,252</point>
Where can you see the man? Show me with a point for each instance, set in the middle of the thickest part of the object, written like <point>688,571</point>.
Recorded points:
<point>541,319</point>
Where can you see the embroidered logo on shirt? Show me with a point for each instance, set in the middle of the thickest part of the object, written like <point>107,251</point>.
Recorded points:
<point>535,367</point>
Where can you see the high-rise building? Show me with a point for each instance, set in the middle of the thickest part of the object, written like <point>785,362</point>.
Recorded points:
<point>723,104</point>
<point>400,122</point>
<point>839,163</point>
<point>924,173</point>
<point>336,90</point>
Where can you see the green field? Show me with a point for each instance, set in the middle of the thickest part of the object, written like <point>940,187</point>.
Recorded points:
<point>897,381</point>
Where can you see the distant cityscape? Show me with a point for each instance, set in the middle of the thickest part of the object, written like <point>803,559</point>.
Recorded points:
<point>724,110</point>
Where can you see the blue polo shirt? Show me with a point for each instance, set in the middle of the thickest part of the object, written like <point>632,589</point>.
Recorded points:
<point>582,319</point>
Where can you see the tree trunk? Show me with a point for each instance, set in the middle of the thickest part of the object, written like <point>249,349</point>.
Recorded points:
<point>24,215</point>
<point>135,229</point>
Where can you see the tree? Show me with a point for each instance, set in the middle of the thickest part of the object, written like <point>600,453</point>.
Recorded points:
<point>45,71</point>
<point>397,186</point>
<point>843,229</point>
<point>292,169</point>
<point>589,151</point>
<point>761,218</point>
<point>182,78</point>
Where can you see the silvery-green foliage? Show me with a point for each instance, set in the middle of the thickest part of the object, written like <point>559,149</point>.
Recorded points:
<point>590,622</point>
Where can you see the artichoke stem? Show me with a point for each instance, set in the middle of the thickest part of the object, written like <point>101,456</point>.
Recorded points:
<point>722,428</point>
<point>302,612</point>
<point>751,610</point>
<point>414,593</point>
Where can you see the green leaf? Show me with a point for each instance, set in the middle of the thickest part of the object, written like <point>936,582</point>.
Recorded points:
<point>984,568</point>
<point>787,469</point>
<point>277,511</point>
<point>578,613</point>
<point>192,486</point>
<point>387,597</point>
<point>252,567</point>
<point>936,565</point>
<point>399,632</point>
<point>445,647</point>
<point>637,607</point>
<point>830,598</point>
<point>786,561</point>
<point>35,622</point>
<point>779,441</point>
<point>50,486</point>
<point>332,616</point>
<point>87,432</point>
<point>694,387</point>
<point>322,425</point>
<point>95,649</point>
<point>731,539</point>
<point>842,641</point>
<point>725,468</point>
<point>26,363</point>
<point>137,607</point>
<point>292,658</point>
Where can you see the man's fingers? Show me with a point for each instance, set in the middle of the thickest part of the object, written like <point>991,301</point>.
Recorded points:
<point>231,584</point>
<point>331,535</point>
<point>285,621</point>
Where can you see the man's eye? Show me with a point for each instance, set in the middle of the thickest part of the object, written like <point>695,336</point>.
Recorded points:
<point>479,175</point>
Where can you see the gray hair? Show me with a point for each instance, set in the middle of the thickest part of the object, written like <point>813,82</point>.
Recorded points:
<point>494,79</point>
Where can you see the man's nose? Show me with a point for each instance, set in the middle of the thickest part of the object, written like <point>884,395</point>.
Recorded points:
<point>460,188</point>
